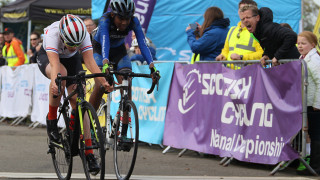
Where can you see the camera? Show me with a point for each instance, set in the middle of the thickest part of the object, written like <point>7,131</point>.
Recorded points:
<point>193,26</point>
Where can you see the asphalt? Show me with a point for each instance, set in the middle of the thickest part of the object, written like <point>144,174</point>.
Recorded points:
<point>23,156</point>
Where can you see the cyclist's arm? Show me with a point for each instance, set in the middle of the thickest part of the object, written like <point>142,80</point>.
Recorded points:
<point>93,68</point>
<point>54,70</point>
<point>102,36</point>
<point>145,51</point>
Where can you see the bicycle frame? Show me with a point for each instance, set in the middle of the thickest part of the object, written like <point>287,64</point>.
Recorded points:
<point>86,124</point>
<point>124,96</point>
<point>80,99</point>
<point>124,86</point>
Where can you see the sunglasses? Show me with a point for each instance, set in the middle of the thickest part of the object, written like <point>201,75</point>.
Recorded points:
<point>71,44</point>
<point>34,39</point>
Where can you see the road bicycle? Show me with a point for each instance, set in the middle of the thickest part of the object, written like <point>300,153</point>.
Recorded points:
<point>124,143</point>
<point>62,154</point>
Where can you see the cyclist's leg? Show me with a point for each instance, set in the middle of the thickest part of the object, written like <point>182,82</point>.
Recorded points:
<point>97,92</point>
<point>96,96</point>
<point>73,66</point>
<point>125,65</point>
<point>45,68</point>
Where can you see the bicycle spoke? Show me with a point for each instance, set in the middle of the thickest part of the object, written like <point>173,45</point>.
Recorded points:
<point>61,157</point>
<point>125,149</point>
<point>97,144</point>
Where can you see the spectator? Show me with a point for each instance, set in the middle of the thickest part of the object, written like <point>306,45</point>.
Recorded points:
<point>2,42</point>
<point>307,42</point>
<point>278,42</point>
<point>35,41</point>
<point>286,25</point>
<point>212,34</point>
<point>239,44</point>
<point>137,56</point>
<point>2,60</point>
<point>13,50</point>
<point>90,25</point>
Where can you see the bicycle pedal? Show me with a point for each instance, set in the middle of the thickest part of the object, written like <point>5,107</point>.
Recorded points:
<point>106,147</point>
<point>124,147</point>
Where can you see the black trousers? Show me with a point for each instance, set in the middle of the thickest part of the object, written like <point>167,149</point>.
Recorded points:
<point>313,124</point>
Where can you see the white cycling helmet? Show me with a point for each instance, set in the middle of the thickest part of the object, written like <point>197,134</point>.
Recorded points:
<point>72,29</point>
<point>135,42</point>
<point>123,8</point>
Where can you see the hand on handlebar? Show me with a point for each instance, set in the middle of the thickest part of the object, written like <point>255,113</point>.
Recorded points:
<point>155,74</point>
<point>105,68</point>
<point>56,86</point>
<point>54,89</point>
<point>107,86</point>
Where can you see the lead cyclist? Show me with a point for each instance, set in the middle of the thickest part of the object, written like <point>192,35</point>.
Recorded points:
<point>59,53</point>
<point>108,46</point>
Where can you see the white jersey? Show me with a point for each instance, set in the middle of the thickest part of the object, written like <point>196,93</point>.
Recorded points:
<point>52,42</point>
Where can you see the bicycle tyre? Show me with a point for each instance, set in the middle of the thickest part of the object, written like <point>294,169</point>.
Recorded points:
<point>61,155</point>
<point>102,115</point>
<point>97,139</point>
<point>124,161</point>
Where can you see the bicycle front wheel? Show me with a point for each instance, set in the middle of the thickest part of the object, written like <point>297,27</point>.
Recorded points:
<point>97,140</point>
<point>125,149</point>
<point>61,155</point>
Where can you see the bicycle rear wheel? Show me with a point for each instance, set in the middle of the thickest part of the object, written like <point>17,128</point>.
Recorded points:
<point>61,155</point>
<point>97,140</point>
<point>125,152</point>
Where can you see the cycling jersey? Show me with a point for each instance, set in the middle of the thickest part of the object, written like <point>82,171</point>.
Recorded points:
<point>53,43</point>
<point>108,37</point>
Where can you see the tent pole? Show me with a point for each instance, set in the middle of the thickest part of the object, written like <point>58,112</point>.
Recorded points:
<point>28,34</point>
<point>301,20</point>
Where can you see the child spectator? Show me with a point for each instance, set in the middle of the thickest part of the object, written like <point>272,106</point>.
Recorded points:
<point>307,42</point>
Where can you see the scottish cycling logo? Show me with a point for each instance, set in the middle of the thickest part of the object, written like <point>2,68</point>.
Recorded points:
<point>192,78</point>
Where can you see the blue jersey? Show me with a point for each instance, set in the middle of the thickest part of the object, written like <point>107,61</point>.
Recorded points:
<point>109,37</point>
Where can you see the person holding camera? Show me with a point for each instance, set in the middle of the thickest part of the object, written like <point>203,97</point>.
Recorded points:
<point>212,34</point>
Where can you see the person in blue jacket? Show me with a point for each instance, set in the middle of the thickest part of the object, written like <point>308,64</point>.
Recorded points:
<point>108,45</point>
<point>211,35</point>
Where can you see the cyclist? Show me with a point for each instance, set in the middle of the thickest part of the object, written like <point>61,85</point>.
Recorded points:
<point>108,46</point>
<point>60,54</point>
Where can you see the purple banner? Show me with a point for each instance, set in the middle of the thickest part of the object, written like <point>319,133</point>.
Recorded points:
<point>249,114</point>
<point>144,10</point>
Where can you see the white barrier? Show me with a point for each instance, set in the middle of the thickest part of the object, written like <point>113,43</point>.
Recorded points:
<point>16,91</point>
<point>40,97</point>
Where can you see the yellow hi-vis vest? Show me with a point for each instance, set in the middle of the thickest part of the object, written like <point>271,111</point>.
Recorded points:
<point>11,56</point>
<point>240,42</point>
<point>194,58</point>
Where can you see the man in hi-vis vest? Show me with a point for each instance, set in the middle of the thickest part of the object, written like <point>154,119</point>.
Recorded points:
<point>240,44</point>
<point>13,50</point>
